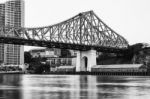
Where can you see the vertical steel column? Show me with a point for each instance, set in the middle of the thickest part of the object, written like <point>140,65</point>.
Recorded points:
<point>80,28</point>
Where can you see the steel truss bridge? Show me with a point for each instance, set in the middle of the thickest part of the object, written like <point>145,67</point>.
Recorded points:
<point>83,32</point>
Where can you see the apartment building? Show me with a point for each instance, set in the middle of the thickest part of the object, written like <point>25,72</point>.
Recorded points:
<point>12,15</point>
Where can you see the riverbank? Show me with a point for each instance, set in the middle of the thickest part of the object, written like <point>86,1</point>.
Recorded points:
<point>101,73</point>
<point>12,72</point>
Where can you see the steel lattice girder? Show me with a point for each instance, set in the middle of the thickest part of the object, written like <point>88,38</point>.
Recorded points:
<point>84,29</point>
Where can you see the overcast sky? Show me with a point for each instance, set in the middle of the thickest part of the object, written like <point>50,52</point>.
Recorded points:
<point>129,18</point>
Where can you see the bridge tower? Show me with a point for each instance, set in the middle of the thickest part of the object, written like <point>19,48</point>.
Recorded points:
<point>85,60</point>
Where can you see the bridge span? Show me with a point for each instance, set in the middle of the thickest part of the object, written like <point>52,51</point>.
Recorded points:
<point>85,32</point>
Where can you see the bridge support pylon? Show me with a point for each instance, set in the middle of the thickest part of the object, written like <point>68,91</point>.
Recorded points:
<point>85,60</point>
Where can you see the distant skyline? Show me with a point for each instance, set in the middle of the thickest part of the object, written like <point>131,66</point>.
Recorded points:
<point>129,18</point>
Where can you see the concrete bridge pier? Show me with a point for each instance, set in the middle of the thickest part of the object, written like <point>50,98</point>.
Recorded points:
<point>85,60</point>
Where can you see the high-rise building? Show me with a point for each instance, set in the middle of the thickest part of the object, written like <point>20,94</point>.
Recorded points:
<point>2,24</point>
<point>2,15</point>
<point>13,17</point>
<point>14,13</point>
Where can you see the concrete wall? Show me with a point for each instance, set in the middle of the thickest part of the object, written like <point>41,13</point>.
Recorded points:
<point>80,61</point>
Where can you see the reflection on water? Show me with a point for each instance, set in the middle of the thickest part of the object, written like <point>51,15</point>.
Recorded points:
<point>73,87</point>
<point>9,87</point>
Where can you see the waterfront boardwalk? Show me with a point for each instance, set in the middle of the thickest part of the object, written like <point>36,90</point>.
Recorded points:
<point>101,73</point>
<point>125,69</point>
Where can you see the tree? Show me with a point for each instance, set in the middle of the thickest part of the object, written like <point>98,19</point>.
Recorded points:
<point>27,57</point>
<point>36,67</point>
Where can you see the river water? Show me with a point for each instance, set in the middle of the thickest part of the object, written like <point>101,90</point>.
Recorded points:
<point>73,87</point>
